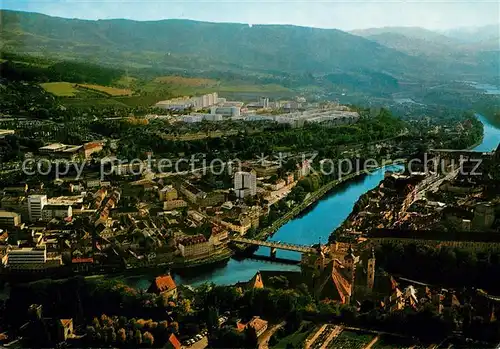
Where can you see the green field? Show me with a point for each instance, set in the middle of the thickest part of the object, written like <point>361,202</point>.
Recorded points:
<point>296,339</point>
<point>60,89</point>
<point>112,91</point>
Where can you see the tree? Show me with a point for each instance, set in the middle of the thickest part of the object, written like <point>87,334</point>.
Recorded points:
<point>148,339</point>
<point>138,337</point>
<point>174,327</point>
<point>122,336</point>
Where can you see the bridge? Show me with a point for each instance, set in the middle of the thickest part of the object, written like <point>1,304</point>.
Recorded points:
<point>274,245</point>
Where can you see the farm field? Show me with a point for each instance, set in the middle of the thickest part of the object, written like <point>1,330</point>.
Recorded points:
<point>112,91</point>
<point>185,81</point>
<point>60,89</point>
<point>351,340</point>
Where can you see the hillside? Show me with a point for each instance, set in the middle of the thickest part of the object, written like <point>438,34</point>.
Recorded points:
<point>486,33</point>
<point>184,44</point>
<point>418,33</point>
<point>439,48</point>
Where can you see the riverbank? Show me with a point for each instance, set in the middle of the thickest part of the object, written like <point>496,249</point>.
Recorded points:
<point>313,198</point>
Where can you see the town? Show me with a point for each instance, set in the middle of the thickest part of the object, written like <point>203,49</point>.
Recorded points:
<point>109,217</point>
<point>194,175</point>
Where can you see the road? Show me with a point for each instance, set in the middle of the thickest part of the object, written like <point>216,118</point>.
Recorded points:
<point>266,336</point>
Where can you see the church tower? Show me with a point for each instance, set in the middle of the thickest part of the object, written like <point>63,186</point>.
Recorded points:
<point>350,264</point>
<point>371,271</point>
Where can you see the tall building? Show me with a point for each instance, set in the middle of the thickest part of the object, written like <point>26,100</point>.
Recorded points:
<point>35,206</point>
<point>264,102</point>
<point>245,184</point>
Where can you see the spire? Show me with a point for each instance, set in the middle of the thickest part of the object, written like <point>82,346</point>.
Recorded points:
<point>350,254</point>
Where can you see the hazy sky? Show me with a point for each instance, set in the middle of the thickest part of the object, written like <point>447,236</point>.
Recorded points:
<point>345,15</point>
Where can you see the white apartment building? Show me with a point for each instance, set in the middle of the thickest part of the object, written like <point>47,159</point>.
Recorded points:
<point>232,111</point>
<point>192,118</point>
<point>36,204</point>
<point>245,184</point>
<point>56,211</point>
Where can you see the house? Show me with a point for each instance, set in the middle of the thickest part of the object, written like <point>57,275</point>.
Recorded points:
<point>164,285</point>
<point>91,148</point>
<point>167,193</point>
<point>173,342</point>
<point>194,246</point>
<point>256,323</point>
<point>65,329</point>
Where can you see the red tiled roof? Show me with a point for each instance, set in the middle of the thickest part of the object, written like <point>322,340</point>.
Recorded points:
<point>165,283</point>
<point>4,236</point>
<point>257,323</point>
<point>66,322</point>
<point>82,260</point>
<point>193,240</point>
<point>92,145</point>
<point>240,327</point>
<point>174,341</point>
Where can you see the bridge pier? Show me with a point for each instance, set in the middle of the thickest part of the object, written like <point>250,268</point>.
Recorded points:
<point>273,252</point>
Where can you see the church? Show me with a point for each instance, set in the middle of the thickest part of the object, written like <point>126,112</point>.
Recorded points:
<point>345,277</point>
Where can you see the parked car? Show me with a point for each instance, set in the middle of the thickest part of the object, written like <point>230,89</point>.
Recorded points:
<point>198,337</point>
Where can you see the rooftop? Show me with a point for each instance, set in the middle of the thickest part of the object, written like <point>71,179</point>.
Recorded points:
<point>164,283</point>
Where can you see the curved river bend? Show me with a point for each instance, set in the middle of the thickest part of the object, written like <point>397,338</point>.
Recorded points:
<point>317,223</point>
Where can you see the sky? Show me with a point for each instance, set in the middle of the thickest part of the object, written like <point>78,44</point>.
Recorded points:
<point>340,14</point>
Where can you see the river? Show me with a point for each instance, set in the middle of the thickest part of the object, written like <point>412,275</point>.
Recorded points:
<point>312,226</point>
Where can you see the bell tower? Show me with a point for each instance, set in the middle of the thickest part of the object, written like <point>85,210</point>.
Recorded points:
<point>349,263</point>
<point>371,271</point>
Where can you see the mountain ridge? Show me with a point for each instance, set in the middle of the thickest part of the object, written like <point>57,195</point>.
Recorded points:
<point>205,46</point>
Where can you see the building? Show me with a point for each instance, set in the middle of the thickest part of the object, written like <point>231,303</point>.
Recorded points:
<point>91,148</point>
<point>212,199</point>
<point>59,150</point>
<point>232,111</point>
<point>279,184</point>
<point>167,193</point>
<point>245,184</point>
<point>264,102</point>
<point>192,118</point>
<point>60,211</point>
<point>19,258</point>
<point>18,204</point>
<point>35,206</point>
<point>183,103</point>
<point>165,286</point>
<point>173,342</point>
<point>256,323</point>
<point>192,193</point>
<point>219,237</point>
<point>173,204</point>
<point>4,133</point>
<point>65,329</point>
<point>9,219</point>
<point>194,246</point>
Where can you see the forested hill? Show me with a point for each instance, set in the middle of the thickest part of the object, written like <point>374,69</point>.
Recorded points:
<point>187,44</point>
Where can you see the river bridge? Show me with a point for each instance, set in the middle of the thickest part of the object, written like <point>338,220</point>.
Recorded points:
<point>275,245</point>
